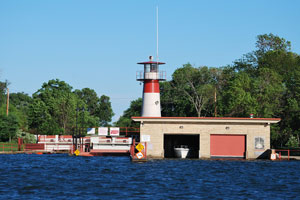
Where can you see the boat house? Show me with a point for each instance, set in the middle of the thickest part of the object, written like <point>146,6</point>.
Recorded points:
<point>206,137</point>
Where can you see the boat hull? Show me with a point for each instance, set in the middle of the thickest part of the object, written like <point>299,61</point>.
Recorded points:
<point>181,152</point>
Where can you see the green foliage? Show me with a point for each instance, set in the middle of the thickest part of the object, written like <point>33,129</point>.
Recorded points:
<point>269,42</point>
<point>56,109</point>
<point>3,86</point>
<point>8,127</point>
<point>99,108</point>
<point>134,110</point>
<point>237,99</point>
<point>292,142</point>
<point>53,108</point>
<point>196,85</point>
<point>19,106</point>
<point>173,103</point>
<point>90,98</point>
<point>104,111</point>
<point>27,137</point>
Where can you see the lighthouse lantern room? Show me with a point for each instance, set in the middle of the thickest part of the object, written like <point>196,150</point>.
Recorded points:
<point>151,94</point>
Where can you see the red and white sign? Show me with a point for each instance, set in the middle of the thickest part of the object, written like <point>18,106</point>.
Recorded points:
<point>103,131</point>
<point>114,131</point>
<point>139,155</point>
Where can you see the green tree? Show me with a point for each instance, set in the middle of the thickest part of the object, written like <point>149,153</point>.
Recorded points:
<point>104,111</point>
<point>97,107</point>
<point>274,70</point>
<point>197,85</point>
<point>173,103</point>
<point>269,42</point>
<point>268,92</point>
<point>3,88</point>
<point>237,97</point>
<point>90,98</point>
<point>8,127</point>
<point>19,105</point>
<point>55,104</point>
<point>39,118</point>
<point>134,110</point>
<point>292,142</point>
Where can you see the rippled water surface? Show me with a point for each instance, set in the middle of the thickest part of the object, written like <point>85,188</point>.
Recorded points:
<point>66,177</point>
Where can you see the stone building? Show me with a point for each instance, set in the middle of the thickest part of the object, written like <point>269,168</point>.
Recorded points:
<point>206,137</point>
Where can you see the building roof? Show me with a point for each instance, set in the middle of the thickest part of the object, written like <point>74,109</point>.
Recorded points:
<point>207,119</point>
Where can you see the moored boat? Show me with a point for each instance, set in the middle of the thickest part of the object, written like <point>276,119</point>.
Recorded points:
<point>181,151</point>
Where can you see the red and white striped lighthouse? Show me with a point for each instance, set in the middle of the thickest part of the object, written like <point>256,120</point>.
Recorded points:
<point>151,94</point>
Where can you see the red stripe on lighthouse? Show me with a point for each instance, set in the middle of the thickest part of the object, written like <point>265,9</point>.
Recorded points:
<point>151,86</point>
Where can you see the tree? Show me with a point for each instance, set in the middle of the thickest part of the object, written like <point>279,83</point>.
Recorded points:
<point>20,100</point>
<point>270,42</point>
<point>197,85</point>
<point>19,105</point>
<point>97,107</point>
<point>39,118</point>
<point>55,105</point>
<point>104,111</point>
<point>90,98</point>
<point>173,103</point>
<point>268,91</point>
<point>269,48</point>
<point>8,127</point>
<point>292,142</point>
<point>237,98</point>
<point>3,88</point>
<point>134,109</point>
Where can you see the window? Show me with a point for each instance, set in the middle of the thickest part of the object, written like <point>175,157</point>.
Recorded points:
<point>259,143</point>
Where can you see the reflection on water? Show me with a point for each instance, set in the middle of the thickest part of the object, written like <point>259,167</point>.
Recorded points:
<point>64,177</point>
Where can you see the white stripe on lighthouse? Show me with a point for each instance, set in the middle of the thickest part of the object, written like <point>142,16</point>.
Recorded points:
<point>151,105</point>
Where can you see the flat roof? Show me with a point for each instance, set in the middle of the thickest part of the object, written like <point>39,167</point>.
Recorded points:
<point>207,119</point>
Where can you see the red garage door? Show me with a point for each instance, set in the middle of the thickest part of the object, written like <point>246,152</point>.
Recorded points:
<point>227,145</point>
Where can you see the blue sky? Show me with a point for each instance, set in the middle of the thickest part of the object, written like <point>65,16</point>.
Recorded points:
<point>96,44</point>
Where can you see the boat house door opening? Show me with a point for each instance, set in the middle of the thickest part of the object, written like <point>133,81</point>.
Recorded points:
<point>176,144</point>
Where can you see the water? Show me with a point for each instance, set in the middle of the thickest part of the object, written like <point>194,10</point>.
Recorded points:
<point>65,177</point>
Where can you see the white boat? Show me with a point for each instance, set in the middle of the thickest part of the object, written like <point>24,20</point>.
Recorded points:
<point>181,151</point>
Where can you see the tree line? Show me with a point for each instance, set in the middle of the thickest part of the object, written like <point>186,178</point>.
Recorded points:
<point>264,82</point>
<point>53,109</point>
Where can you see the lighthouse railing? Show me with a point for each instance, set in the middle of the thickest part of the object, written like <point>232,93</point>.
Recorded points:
<point>160,75</point>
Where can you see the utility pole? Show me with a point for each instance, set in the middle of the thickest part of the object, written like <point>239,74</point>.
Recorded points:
<point>215,101</point>
<point>7,101</point>
<point>7,107</point>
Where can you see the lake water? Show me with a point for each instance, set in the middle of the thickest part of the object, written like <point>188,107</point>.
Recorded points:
<point>68,177</point>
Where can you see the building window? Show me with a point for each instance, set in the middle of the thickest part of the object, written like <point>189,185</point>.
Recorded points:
<point>259,143</point>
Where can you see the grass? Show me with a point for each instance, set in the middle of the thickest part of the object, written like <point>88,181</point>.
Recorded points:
<point>6,147</point>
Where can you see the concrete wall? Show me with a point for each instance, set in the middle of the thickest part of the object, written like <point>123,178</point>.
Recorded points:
<point>156,130</point>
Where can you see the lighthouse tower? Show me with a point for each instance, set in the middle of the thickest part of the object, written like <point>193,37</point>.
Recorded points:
<point>151,94</point>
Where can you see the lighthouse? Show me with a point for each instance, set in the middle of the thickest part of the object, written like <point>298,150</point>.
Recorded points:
<point>151,94</point>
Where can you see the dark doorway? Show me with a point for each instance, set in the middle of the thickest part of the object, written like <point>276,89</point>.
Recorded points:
<point>174,140</point>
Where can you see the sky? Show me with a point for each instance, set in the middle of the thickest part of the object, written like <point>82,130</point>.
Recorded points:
<point>97,44</point>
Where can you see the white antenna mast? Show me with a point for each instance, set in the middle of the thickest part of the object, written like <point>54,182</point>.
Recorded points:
<point>157,34</point>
